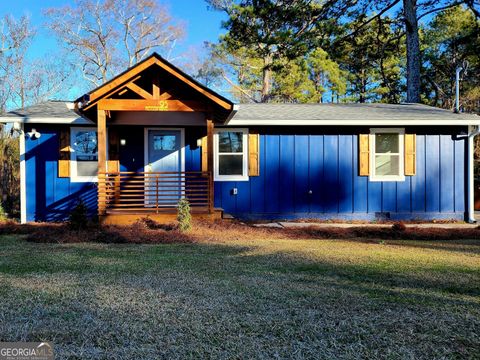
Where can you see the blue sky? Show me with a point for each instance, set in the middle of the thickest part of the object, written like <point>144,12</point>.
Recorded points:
<point>202,24</point>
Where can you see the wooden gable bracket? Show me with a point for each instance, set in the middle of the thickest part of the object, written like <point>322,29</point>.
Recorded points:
<point>166,95</point>
<point>156,87</point>
<point>120,91</point>
<point>106,96</point>
<point>138,90</point>
<point>106,90</point>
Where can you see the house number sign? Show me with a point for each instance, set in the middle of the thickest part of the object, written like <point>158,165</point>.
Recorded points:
<point>162,106</point>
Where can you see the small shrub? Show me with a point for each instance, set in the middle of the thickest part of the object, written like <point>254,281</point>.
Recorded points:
<point>78,218</point>
<point>3,214</point>
<point>399,227</point>
<point>183,215</point>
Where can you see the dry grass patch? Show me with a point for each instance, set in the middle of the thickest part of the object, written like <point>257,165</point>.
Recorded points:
<point>244,293</point>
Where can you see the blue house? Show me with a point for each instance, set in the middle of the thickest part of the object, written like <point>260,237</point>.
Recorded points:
<point>153,135</point>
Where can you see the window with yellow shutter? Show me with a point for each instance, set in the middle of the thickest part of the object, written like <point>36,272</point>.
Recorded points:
<point>387,154</point>
<point>231,154</point>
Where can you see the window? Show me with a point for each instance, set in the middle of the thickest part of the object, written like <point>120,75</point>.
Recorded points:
<point>231,162</point>
<point>164,142</point>
<point>386,154</point>
<point>84,155</point>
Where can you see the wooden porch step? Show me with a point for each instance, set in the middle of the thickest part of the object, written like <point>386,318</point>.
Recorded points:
<point>124,217</point>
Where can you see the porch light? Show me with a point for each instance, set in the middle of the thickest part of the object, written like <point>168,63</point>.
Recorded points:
<point>123,142</point>
<point>34,134</point>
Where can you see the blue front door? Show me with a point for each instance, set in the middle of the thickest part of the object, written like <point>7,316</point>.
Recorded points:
<point>164,165</point>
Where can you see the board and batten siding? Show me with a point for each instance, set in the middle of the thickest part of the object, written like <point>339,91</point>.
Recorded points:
<point>317,176</point>
<point>48,196</point>
<point>292,162</point>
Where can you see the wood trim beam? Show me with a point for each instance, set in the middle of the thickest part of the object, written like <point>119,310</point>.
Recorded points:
<point>121,79</point>
<point>150,105</point>
<point>165,95</point>
<point>120,91</point>
<point>138,90</point>
<point>179,76</point>
<point>102,140</point>
<point>210,126</point>
<point>102,157</point>
<point>156,87</point>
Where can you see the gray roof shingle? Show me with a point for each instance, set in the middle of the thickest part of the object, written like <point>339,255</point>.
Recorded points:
<point>53,111</point>
<point>285,112</point>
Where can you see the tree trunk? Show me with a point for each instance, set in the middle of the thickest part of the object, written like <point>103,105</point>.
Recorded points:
<point>413,51</point>
<point>267,78</point>
<point>363,87</point>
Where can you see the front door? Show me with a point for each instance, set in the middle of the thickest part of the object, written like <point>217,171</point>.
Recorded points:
<point>164,164</point>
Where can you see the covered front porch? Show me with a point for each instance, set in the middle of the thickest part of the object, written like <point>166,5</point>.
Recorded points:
<point>155,168</point>
<point>155,130</point>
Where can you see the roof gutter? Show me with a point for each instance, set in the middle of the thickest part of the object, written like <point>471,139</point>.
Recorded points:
<point>470,173</point>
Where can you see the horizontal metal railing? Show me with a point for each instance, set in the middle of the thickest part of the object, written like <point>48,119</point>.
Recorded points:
<point>153,192</point>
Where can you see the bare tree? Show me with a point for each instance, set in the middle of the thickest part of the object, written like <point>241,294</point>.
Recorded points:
<point>105,36</point>
<point>15,38</point>
<point>38,80</point>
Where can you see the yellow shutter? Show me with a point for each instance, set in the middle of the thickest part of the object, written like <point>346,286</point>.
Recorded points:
<point>364,154</point>
<point>64,153</point>
<point>410,154</point>
<point>204,154</point>
<point>253,154</point>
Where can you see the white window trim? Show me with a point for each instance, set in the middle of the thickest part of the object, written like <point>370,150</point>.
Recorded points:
<point>401,140</point>
<point>73,157</point>
<point>216,170</point>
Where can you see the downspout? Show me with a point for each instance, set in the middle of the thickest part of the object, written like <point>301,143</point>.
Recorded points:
<point>470,169</point>
<point>457,89</point>
<point>23,173</point>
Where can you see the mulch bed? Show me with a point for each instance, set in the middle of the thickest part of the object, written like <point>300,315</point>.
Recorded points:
<point>148,231</point>
<point>141,232</point>
<point>396,232</point>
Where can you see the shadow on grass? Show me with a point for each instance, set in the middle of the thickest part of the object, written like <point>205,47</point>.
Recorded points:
<point>148,285</point>
<point>460,246</point>
<point>227,261</point>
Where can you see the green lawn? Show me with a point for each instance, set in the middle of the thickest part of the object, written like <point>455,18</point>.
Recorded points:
<point>242,299</point>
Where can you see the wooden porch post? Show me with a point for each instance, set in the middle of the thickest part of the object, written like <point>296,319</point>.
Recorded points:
<point>210,162</point>
<point>102,160</point>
